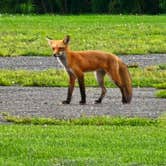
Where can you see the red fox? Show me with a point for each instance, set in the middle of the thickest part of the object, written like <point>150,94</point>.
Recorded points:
<point>78,62</point>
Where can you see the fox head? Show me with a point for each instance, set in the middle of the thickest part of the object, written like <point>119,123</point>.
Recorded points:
<point>59,47</point>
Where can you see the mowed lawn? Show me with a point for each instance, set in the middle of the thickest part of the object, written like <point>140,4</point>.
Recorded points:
<point>46,145</point>
<point>25,34</point>
<point>49,145</point>
<point>153,76</point>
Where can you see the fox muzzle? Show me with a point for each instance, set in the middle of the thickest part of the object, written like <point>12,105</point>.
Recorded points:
<point>55,55</point>
<point>58,54</point>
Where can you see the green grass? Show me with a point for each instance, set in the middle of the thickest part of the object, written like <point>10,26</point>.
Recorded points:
<point>25,35</point>
<point>47,141</point>
<point>148,77</point>
<point>162,66</point>
<point>161,94</point>
<point>97,121</point>
<point>160,85</point>
<point>31,145</point>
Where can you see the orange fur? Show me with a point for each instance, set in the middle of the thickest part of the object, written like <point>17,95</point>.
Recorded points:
<point>78,62</point>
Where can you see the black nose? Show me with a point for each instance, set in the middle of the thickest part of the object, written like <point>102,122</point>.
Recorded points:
<point>54,55</point>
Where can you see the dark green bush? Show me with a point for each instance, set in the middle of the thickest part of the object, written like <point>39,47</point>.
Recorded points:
<point>83,6</point>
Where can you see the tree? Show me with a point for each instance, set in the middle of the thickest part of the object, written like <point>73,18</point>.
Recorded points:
<point>151,7</point>
<point>83,6</point>
<point>162,5</point>
<point>100,6</point>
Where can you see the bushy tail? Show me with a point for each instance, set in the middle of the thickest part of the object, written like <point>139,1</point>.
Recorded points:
<point>126,83</point>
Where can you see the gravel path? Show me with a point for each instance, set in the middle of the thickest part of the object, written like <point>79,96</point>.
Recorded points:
<point>41,63</point>
<point>46,102</point>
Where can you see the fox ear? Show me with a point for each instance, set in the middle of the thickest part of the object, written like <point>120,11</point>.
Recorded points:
<point>49,40</point>
<point>66,40</point>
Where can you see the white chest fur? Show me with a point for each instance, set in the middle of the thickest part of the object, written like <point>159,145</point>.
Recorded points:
<point>63,61</point>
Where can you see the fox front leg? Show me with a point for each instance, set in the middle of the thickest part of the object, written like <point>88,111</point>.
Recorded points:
<point>82,90</point>
<point>72,79</point>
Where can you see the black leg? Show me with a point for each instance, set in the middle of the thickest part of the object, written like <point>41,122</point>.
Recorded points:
<point>70,89</point>
<point>82,90</point>
<point>69,96</point>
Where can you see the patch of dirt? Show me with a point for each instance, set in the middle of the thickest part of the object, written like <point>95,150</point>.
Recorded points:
<point>46,102</point>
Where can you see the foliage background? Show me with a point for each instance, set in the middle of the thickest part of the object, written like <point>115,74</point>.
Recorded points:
<point>83,6</point>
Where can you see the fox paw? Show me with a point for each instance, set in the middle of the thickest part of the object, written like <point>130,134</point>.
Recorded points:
<point>124,101</point>
<point>82,102</point>
<point>65,102</point>
<point>97,101</point>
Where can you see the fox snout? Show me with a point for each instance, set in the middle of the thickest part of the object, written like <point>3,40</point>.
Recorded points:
<point>57,54</point>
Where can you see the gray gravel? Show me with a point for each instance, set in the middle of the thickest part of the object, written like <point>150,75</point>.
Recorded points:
<point>46,102</point>
<point>43,63</point>
<point>28,63</point>
<point>144,60</point>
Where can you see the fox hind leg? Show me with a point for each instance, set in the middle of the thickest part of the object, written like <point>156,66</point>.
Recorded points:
<point>100,79</point>
<point>115,77</point>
